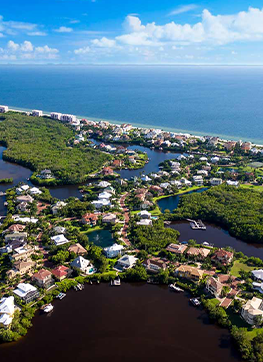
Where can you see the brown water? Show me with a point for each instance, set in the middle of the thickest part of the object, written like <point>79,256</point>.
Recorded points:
<point>132,323</point>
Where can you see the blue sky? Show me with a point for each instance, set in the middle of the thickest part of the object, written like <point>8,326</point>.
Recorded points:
<point>131,32</point>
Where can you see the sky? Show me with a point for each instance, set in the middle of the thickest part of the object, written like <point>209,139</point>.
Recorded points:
<point>131,32</point>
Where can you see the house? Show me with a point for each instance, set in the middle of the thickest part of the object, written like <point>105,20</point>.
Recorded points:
<point>7,309</point>
<point>189,272</point>
<point>104,195</point>
<point>223,257</point>
<point>154,265</point>
<point>107,171</point>
<point>176,248</point>
<point>214,287</point>
<point>101,203</point>
<point>25,198</point>
<point>46,174</point>
<point>23,206</point>
<point>19,218</point>
<point>59,239</point>
<point>58,206</point>
<point>21,253</point>
<point>68,118</point>
<point>246,146</point>
<point>21,189</point>
<point>35,191</point>
<point>83,265</point>
<point>3,109</point>
<point>215,181</point>
<point>59,230</point>
<point>199,253</point>
<point>26,292</point>
<point>21,268</point>
<point>126,262</point>
<point>37,113</point>
<point>16,237</point>
<point>252,310</point>
<point>103,184</point>
<point>117,163</point>
<point>232,183</point>
<point>16,228</point>
<point>258,274</point>
<point>144,214</point>
<point>109,219</point>
<point>77,249</point>
<point>215,159</point>
<point>165,185</point>
<point>56,116</point>
<point>230,145</point>
<point>61,272</point>
<point>113,251</point>
<point>89,219</point>
<point>43,278</point>
<point>198,180</point>
<point>144,222</point>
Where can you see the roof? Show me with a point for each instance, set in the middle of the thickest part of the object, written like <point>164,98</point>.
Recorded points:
<point>60,271</point>
<point>77,249</point>
<point>59,239</point>
<point>23,289</point>
<point>42,274</point>
<point>90,216</point>
<point>7,305</point>
<point>190,270</point>
<point>114,247</point>
<point>16,228</point>
<point>176,248</point>
<point>80,263</point>
<point>254,306</point>
<point>127,260</point>
<point>198,251</point>
<point>223,254</point>
<point>258,274</point>
<point>215,284</point>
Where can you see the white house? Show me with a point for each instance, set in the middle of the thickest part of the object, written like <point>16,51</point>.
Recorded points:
<point>100,203</point>
<point>146,178</point>
<point>215,159</point>
<point>37,113</point>
<point>215,181</point>
<point>27,292</point>
<point>59,239</point>
<point>165,185</point>
<point>55,115</point>
<point>3,109</point>
<point>232,183</point>
<point>35,191</point>
<point>198,179</point>
<point>126,262</point>
<point>83,265</point>
<point>58,206</point>
<point>145,222</point>
<point>185,182</point>
<point>113,250</point>
<point>109,218</point>
<point>258,274</point>
<point>105,195</point>
<point>7,308</point>
<point>104,184</point>
<point>252,309</point>
<point>25,219</point>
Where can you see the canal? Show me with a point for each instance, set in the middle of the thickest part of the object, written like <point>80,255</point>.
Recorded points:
<point>135,322</point>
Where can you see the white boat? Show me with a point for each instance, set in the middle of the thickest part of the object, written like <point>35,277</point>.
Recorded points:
<point>48,308</point>
<point>195,301</point>
<point>116,282</point>
<point>175,288</point>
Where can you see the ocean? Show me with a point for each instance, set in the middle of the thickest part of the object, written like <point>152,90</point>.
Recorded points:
<point>223,101</point>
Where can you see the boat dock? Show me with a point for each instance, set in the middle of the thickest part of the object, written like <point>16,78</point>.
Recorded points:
<point>197,225</point>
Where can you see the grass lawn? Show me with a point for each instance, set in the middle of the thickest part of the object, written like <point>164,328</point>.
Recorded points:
<point>239,265</point>
<point>252,187</point>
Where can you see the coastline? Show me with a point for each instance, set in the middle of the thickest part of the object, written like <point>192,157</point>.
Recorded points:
<point>257,142</point>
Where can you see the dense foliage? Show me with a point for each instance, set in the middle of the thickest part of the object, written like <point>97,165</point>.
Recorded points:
<point>41,143</point>
<point>238,210</point>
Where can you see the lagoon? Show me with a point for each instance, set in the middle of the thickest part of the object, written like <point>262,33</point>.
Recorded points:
<point>102,238</point>
<point>171,202</point>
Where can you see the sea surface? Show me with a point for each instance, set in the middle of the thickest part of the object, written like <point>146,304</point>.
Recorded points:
<point>224,101</point>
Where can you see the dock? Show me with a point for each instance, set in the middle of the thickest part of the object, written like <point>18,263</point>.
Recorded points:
<point>197,225</point>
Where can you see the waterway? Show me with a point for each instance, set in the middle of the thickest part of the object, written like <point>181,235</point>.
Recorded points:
<point>135,322</point>
<point>102,238</point>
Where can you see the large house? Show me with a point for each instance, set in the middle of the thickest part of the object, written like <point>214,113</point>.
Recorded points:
<point>222,257</point>
<point>198,253</point>
<point>109,218</point>
<point>176,248</point>
<point>22,253</point>
<point>154,265</point>
<point>7,309</point>
<point>83,265</point>
<point>252,309</point>
<point>126,262</point>
<point>59,239</point>
<point>21,268</point>
<point>61,272</point>
<point>189,272</point>
<point>26,292</point>
<point>214,286</point>
<point>89,219</point>
<point>113,251</point>
<point>43,278</point>
<point>77,249</point>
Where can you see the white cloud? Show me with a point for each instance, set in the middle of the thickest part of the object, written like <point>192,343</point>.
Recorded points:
<point>12,46</point>
<point>46,49</point>
<point>63,29</point>
<point>84,50</point>
<point>27,51</point>
<point>104,43</point>
<point>26,46</point>
<point>183,9</point>
<point>37,33</point>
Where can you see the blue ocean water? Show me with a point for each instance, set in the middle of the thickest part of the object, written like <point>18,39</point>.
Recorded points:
<point>225,101</point>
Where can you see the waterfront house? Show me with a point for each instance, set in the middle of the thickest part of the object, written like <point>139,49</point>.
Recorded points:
<point>144,214</point>
<point>104,184</point>
<point>15,228</point>
<point>257,274</point>
<point>101,203</point>
<point>23,207</point>
<point>89,219</point>
<point>246,146</point>
<point>43,278</point>
<point>58,206</point>
<point>61,272</point>
<point>25,198</point>
<point>109,218</point>
<point>117,163</point>
<point>214,287</point>
<point>215,181</point>
<point>198,253</point>
<point>230,145</point>
<point>107,171</point>
<point>83,265</point>
<point>3,109</point>
<point>37,113</point>
<point>68,118</point>
<point>59,239</point>
<point>21,268</point>
<point>198,180</point>
<point>77,249</point>
<point>7,309</point>
<point>46,174</point>
<point>176,248</point>
<point>252,309</point>
<point>26,292</point>
<point>104,195</point>
<point>189,272</point>
<point>35,191</point>
<point>144,222</point>
<point>126,262</point>
<point>154,265</point>
<point>20,190</point>
<point>223,257</point>
<point>232,183</point>
<point>113,251</point>
<point>22,237</point>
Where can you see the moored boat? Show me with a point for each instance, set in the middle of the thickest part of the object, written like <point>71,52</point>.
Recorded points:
<point>48,308</point>
<point>174,288</point>
<point>195,301</point>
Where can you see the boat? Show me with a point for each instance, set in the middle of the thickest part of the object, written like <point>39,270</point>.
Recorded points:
<point>48,308</point>
<point>79,287</point>
<point>61,295</point>
<point>195,301</point>
<point>174,288</point>
<point>116,282</point>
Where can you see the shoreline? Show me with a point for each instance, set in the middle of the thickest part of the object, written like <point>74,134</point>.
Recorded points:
<point>197,134</point>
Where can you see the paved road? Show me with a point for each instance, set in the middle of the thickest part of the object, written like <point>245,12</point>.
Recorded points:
<point>126,219</point>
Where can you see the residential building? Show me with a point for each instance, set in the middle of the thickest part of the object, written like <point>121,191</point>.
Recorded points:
<point>3,109</point>
<point>58,206</point>
<point>56,116</point>
<point>113,251</point>
<point>214,286</point>
<point>77,249</point>
<point>46,174</point>
<point>101,203</point>
<point>232,183</point>
<point>26,292</point>
<point>59,230</point>
<point>144,222</point>
<point>37,113</point>
<point>68,118</point>
<point>43,278</point>
<point>25,198</point>
<point>176,248</point>
<point>107,171</point>
<point>230,145</point>
<point>89,219</point>
<point>189,272</point>
<point>16,228</point>
<point>61,272</point>
<point>83,265</point>
<point>258,274</point>
<point>246,146</point>
<point>198,180</point>
<point>223,257</point>
<point>126,262</point>
<point>16,236</point>
<point>59,239</point>
<point>109,218</point>
<point>21,268</point>
<point>252,309</point>
<point>198,253</point>
<point>7,309</point>
<point>144,214</point>
<point>154,265</point>
<point>22,253</point>
<point>215,181</point>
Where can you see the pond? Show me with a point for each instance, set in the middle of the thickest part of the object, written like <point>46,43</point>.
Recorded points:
<point>171,202</point>
<point>102,238</point>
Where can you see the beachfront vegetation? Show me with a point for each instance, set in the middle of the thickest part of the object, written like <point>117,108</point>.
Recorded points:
<point>6,180</point>
<point>238,210</point>
<point>41,143</point>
